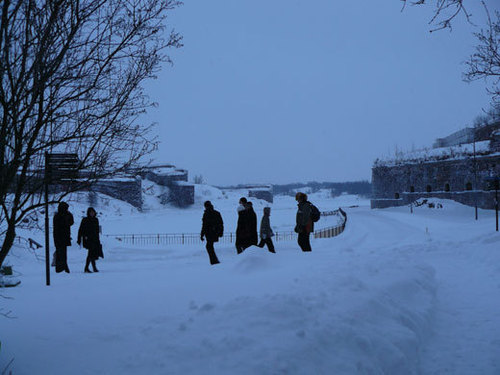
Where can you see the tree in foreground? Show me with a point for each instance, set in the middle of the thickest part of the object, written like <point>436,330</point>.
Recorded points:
<point>70,81</point>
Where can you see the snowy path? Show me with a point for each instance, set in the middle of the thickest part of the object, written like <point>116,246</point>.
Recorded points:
<point>466,336</point>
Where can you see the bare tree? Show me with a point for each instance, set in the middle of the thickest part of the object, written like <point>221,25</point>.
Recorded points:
<point>70,81</point>
<point>485,62</point>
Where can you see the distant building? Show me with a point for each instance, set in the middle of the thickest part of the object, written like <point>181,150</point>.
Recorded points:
<point>456,168</point>
<point>264,192</point>
<point>128,186</point>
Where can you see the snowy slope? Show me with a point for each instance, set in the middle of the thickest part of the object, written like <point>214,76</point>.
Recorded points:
<point>396,293</point>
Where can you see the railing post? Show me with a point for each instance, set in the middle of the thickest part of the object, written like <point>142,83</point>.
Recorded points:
<point>183,238</point>
<point>132,239</point>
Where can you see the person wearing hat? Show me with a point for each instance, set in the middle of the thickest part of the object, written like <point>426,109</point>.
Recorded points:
<point>212,229</point>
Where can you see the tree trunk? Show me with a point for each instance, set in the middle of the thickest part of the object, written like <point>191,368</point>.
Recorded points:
<point>8,241</point>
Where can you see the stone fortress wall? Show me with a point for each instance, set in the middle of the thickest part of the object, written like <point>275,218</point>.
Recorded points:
<point>463,178</point>
<point>129,187</point>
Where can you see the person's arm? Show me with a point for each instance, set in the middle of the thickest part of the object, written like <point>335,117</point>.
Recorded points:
<point>203,226</point>
<point>307,213</point>
<point>80,232</point>
<point>97,231</point>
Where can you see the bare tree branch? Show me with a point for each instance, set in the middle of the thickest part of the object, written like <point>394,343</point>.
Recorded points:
<point>445,11</point>
<point>484,63</point>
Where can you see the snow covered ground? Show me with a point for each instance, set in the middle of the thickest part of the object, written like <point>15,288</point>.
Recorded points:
<point>396,293</point>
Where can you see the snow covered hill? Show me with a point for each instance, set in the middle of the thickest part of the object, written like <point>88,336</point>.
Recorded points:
<point>396,293</point>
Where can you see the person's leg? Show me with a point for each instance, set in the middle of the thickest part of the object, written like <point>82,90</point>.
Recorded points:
<point>65,252</point>
<point>94,266</point>
<point>87,264</point>
<point>211,252</point>
<point>61,259</point>
<point>300,241</point>
<point>307,242</point>
<point>239,248</point>
<point>270,245</point>
<point>262,242</point>
<point>303,241</point>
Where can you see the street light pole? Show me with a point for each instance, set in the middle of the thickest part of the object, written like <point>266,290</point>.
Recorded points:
<point>475,174</point>
<point>47,237</point>
<point>496,202</point>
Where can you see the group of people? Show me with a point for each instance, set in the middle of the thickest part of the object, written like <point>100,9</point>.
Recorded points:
<point>88,236</point>
<point>212,229</point>
<point>246,231</point>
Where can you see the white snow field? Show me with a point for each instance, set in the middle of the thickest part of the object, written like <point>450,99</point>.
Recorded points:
<point>396,293</point>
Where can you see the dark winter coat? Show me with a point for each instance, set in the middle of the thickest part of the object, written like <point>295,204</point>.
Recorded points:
<point>88,235</point>
<point>265,226</point>
<point>303,218</point>
<point>212,225</point>
<point>246,231</point>
<point>63,220</point>
<point>254,238</point>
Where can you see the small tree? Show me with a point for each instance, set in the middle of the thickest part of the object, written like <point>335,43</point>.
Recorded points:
<point>70,81</point>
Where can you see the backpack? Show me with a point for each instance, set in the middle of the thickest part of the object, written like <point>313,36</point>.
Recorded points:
<point>315,213</point>
<point>220,225</point>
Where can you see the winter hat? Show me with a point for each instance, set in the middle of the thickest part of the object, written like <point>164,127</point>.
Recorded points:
<point>63,207</point>
<point>301,197</point>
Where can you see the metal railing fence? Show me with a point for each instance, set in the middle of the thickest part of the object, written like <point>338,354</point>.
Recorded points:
<point>227,238</point>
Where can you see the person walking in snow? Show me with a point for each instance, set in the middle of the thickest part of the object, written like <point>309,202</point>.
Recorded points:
<point>62,222</point>
<point>266,232</point>
<point>212,229</point>
<point>88,233</point>
<point>242,231</point>
<point>304,224</point>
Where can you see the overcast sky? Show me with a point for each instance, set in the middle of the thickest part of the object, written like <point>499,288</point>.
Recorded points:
<point>293,91</point>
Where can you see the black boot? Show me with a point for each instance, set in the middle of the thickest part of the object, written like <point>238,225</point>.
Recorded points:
<point>87,264</point>
<point>94,267</point>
